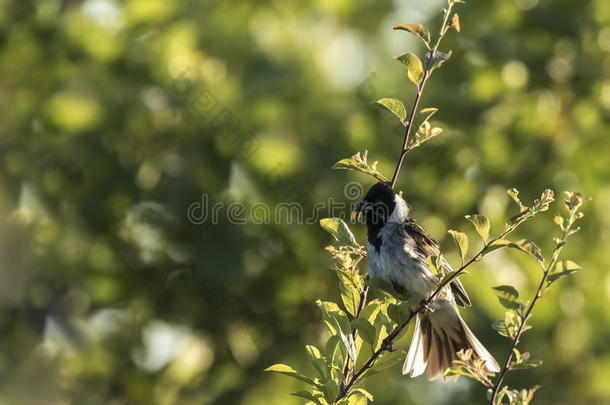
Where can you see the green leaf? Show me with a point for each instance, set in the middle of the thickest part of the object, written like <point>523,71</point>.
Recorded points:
<point>508,327</point>
<point>338,323</point>
<point>334,351</point>
<point>458,371</point>
<point>364,392</point>
<point>333,316</point>
<point>289,371</point>
<point>438,59</point>
<point>562,268</point>
<point>360,164</point>
<point>508,296</point>
<point>370,310</point>
<point>394,106</point>
<point>523,361</point>
<point>481,224</point>
<point>514,194</point>
<point>389,359</point>
<point>436,265</point>
<point>317,361</point>
<point>423,116</point>
<point>416,29</point>
<point>354,398</point>
<point>524,245</point>
<point>424,134</point>
<point>399,313</point>
<point>415,69</point>
<point>350,285</point>
<point>331,391</point>
<point>339,230</point>
<point>461,240</point>
<point>308,396</point>
<point>365,330</point>
<point>451,275</point>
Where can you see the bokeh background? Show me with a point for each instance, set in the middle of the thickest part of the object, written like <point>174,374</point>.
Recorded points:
<point>116,117</point>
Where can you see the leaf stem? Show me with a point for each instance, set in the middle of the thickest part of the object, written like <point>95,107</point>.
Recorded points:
<point>419,91</point>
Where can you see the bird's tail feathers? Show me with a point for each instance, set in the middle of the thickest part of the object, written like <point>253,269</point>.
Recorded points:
<point>437,338</point>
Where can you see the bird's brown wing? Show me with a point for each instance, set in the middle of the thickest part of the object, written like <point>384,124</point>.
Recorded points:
<point>429,247</point>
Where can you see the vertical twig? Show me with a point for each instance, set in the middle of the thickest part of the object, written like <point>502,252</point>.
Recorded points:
<point>539,294</point>
<point>419,91</point>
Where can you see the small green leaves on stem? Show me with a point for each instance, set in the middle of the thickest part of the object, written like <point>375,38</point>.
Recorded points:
<point>554,270</point>
<point>424,134</point>
<point>394,106</point>
<point>416,29</point>
<point>523,360</point>
<point>360,164</point>
<point>509,326</point>
<point>471,366</point>
<point>415,69</point>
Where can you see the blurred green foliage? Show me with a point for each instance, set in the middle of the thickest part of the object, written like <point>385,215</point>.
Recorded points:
<point>109,132</point>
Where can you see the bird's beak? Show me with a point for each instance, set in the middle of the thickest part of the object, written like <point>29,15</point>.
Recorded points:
<point>359,210</point>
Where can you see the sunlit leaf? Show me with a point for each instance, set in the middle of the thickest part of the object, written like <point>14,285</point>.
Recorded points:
<point>416,29</point>
<point>360,164</point>
<point>481,224</point>
<point>461,240</point>
<point>415,69</point>
<point>562,268</point>
<point>523,245</point>
<point>339,230</point>
<point>394,106</point>
<point>317,361</point>
<point>289,371</point>
<point>350,286</point>
<point>424,134</point>
<point>455,22</point>
<point>423,116</point>
<point>514,194</point>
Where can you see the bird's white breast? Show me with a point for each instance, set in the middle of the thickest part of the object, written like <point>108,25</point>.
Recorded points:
<point>399,262</point>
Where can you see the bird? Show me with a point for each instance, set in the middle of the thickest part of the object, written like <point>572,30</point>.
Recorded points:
<point>397,252</point>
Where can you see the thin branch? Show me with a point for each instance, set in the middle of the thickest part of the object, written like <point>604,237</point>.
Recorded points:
<point>419,91</point>
<point>525,317</point>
